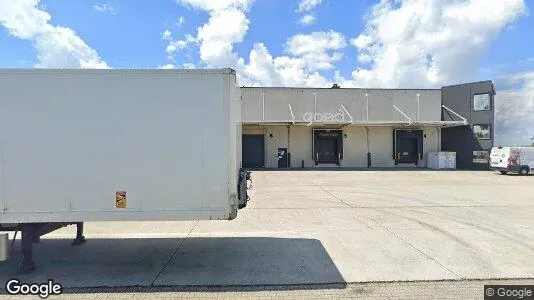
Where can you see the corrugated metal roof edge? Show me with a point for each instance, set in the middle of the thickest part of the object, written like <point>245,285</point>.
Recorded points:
<point>387,89</point>
<point>466,83</point>
<point>363,89</point>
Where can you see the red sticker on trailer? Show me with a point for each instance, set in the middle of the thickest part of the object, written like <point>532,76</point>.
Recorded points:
<point>120,199</point>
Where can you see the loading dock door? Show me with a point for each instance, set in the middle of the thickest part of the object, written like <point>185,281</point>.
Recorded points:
<point>407,149</point>
<point>327,151</point>
<point>408,146</point>
<point>253,151</point>
<point>327,146</point>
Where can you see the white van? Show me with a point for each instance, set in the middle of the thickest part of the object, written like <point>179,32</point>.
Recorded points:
<point>512,159</point>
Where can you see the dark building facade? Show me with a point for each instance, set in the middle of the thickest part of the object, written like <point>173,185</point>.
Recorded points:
<point>472,143</point>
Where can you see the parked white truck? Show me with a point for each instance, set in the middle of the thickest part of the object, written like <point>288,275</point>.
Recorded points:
<point>512,159</point>
<point>117,145</point>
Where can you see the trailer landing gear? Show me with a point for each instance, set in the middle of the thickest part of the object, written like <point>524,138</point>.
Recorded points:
<point>31,234</point>
<point>80,239</point>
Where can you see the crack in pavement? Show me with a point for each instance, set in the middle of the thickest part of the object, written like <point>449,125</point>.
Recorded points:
<point>173,254</point>
<point>331,195</point>
<point>487,229</point>
<point>417,249</point>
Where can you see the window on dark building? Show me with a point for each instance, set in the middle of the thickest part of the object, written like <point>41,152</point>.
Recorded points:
<point>480,157</point>
<point>482,131</point>
<point>481,102</point>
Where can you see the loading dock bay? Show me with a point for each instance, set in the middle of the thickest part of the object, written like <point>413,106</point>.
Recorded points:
<point>316,227</point>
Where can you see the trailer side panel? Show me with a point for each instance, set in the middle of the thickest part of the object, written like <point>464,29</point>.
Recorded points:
<point>81,145</point>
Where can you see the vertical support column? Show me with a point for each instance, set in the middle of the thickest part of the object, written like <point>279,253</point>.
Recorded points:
<point>288,148</point>
<point>367,107</point>
<point>340,144</point>
<point>438,131</point>
<point>418,106</point>
<point>314,104</point>
<point>368,147</point>
<point>315,156</point>
<point>29,237</point>
<point>263,106</point>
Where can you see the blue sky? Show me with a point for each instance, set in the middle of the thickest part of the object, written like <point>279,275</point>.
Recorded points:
<point>131,37</point>
<point>365,43</point>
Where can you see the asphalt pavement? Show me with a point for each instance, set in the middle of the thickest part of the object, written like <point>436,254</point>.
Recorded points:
<point>314,228</point>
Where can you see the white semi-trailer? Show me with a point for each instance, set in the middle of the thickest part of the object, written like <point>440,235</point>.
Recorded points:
<point>117,145</point>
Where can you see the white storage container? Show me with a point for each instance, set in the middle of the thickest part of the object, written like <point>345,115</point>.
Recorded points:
<point>441,160</point>
<point>435,160</point>
<point>451,160</point>
<point>119,145</point>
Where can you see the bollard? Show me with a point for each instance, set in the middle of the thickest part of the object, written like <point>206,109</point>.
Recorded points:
<point>4,247</point>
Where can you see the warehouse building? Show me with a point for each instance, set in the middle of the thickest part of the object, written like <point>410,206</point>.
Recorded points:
<point>347,127</point>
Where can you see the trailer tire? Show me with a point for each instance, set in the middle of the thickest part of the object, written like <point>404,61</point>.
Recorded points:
<point>504,172</point>
<point>524,171</point>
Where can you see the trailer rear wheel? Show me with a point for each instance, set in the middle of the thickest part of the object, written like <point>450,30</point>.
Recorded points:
<point>524,171</point>
<point>504,172</point>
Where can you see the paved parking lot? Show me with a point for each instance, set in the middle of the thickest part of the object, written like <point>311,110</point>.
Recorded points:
<point>423,290</point>
<point>316,227</point>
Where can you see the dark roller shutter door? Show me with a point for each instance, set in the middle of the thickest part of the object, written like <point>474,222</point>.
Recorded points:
<point>253,151</point>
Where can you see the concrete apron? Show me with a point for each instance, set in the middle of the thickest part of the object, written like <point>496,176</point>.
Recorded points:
<point>314,227</point>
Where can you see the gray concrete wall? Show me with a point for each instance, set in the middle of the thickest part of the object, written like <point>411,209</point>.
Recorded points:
<point>431,141</point>
<point>355,144</point>
<point>354,147</point>
<point>301,147</point>
<point>381,101</point>
<point>272,105</point>
<point>381,146</point>
<point>278,140</point>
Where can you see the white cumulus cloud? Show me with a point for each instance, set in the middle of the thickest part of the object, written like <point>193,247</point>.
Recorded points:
<point>188,66</point>
<point>217,37</point>
<point>307,19</point>
<point>315,48</point>
<point>226,26</point>
<point>307,5</point>
<point>166,67</point>
<point>320,41</point>
<point>307,55</point>
<point>105,8</point>
<point>431,43</point>
<point>166,35</point>
<point>514,110</point>
<point>57,46</point>
<point>408,43</point>
<point>427,43</point>
<point>218,5</point>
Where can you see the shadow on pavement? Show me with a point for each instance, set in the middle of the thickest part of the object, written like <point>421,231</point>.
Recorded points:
<point>169,264</point>
<point>519,175</point>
